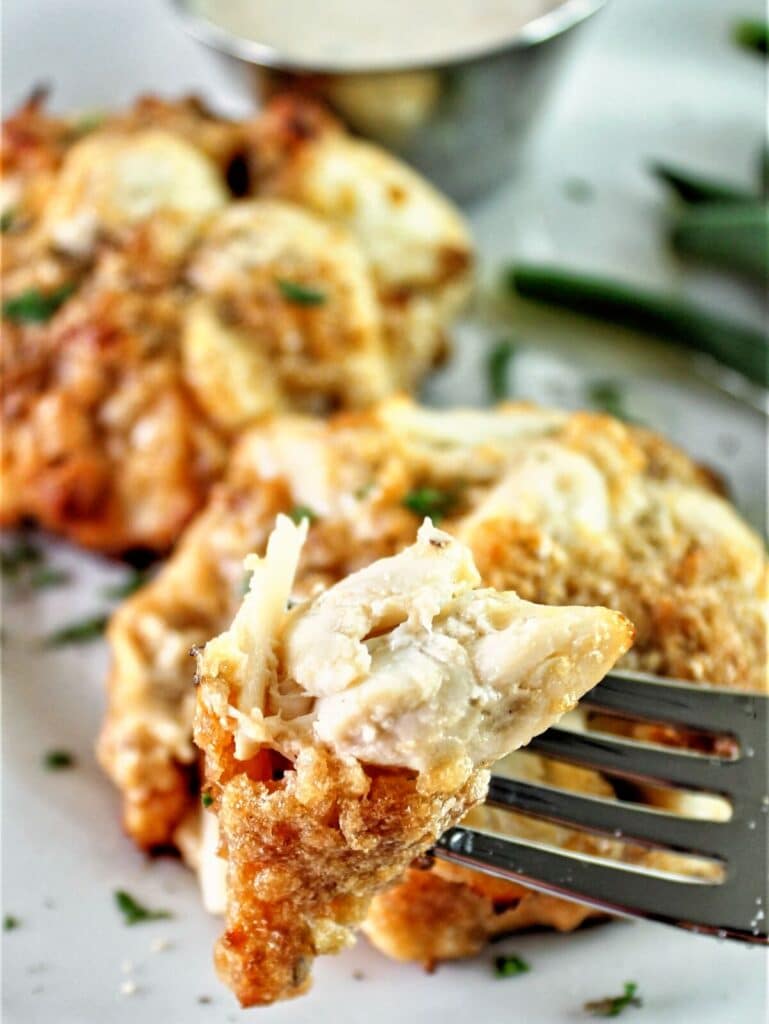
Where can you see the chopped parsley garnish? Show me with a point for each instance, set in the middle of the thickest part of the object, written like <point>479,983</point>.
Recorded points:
<point>58,760</point>
<point>133,912</point>
<point>80,632</point>
<point>35,307</point>
<point>206,798</point>
<point>429,501</point>
<point>612,1006</point>
<point>23,561</point>
<point>117,591</point>
<point>301,294</point>
<point>48,576</point>
<point>499,361</point>
<point>752,34</point>
<point>607,396</point>
<point>6,220</point>
<point>509,966</point>
<point>10,922</point>
<point>20,556</point>
<point>300,512</point>
<point>88,122</point>
<point>578,189</point>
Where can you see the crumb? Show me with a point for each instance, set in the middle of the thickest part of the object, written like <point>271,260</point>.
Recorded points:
<point>38,989</point>
<point>204,1000</point>
<point>37,968</point>
<point>49,904</point>
<point>129,987</point>
<point>359,975</point>
<point>127,967</point>
<point>159,945</point>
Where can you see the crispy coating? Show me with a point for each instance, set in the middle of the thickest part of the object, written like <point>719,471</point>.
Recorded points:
<point>193,301</point>
<point>343,736</point>
<point>304,856</point>
<point>559,507</point>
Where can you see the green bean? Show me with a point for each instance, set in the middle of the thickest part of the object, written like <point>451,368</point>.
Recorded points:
<point>735,345</point>
<point>695,188</point>
<point>734,236</point>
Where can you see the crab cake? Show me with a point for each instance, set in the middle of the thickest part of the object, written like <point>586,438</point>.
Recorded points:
<point>561,508</point>
<point>343,735</point>
<point>149,315</point>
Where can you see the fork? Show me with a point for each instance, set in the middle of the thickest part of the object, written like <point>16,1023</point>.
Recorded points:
<point>734,906</point>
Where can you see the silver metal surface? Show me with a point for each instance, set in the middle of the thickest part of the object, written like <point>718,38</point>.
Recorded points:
<point>732,904</point>
<point>462,121</point>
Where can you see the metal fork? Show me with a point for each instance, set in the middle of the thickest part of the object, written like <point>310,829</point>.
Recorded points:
<point>734,906</point>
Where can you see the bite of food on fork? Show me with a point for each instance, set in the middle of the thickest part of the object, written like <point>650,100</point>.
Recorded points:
<point>344,734</point>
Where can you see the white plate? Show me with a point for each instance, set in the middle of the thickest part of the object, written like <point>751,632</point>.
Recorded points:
<point>652,78</point>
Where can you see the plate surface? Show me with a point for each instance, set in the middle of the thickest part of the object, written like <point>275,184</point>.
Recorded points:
<point>650,79</point>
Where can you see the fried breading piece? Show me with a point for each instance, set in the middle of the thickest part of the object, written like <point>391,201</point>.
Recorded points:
<point>149,316</point>
<point>562,508</point>
<point>342,737</point>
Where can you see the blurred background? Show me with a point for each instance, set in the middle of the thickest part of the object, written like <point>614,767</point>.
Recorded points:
<point>640,82</point>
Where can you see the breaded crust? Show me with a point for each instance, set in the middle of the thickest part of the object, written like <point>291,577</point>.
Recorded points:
<point>642,529</point>
<point>344,735</point>
<point>159,297</point>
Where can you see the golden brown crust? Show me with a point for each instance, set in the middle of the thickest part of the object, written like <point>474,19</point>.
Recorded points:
<point>283,909</point>
<point>695,589</point>
<point>385,697</point>
<point>176,329</point>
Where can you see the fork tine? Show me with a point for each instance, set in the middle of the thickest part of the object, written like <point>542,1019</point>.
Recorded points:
<point>640,695</point>
<point>613,887</point>
<point>631,823</point>
<point>640,761</point>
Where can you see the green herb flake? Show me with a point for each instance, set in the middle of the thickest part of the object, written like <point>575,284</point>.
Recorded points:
<point>429,501</point>
<point>300,512</point>
<point>35,307</point>
<point>48,576</point>
<point>83,631</point>
<point>752,34</point>
<point>607,396</point>
<point>58,760</point>
<point>133,582</point>
<point>6,220</point>
<point>300,294</point>
<point>578,190</point>
<point>612,1006</point>
<point>134,913</point>
<point>88,122</point>
<point>10,923</point>
<point>19,556</point>
<point>509,966</point>
<point>498,366</point>
<point>206,798</point>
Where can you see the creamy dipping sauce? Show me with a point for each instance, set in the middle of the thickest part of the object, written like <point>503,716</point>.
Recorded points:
<point>371,34</point>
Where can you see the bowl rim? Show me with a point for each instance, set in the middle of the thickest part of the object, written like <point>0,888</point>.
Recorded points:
<point>547,25</point>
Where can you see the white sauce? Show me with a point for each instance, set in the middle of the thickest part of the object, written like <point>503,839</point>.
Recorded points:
<point>369,34</point>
